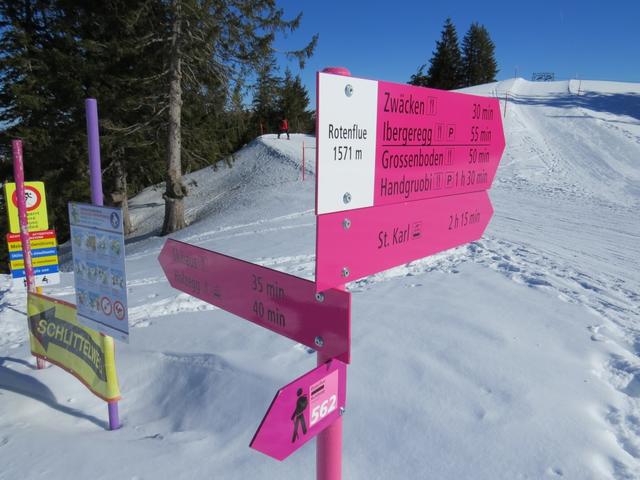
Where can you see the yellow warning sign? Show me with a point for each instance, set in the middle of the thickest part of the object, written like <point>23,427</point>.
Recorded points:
<point>36,202</point>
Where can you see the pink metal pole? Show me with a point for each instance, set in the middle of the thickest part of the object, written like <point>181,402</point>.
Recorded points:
<point>303,161</point>
<point>329,441</point>
<point>95,173</point>
<point>18,175</point>
<point>329,445</point>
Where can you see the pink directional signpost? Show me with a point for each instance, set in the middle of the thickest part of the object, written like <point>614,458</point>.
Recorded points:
<point>402,173</point>
<point>274,300</point>
<point>302,409</point>
<point>399,171</point>
<point>290,306</point>
<point>384,237</point>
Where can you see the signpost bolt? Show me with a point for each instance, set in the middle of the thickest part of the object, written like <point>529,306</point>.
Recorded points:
<point>319,341</point>
<point>342,411</point>
<point>348,90</point>
<point>345,272</point>
<point>346,198</point>
<point>346,223</point>
<point>320,297</point>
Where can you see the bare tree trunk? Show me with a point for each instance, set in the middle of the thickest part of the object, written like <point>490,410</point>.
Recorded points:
<point>120,194</point>
<point>176,190</point>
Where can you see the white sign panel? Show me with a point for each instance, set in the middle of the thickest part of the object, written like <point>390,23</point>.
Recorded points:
<point>347,119</point>
<point>97,241</point>
<point>41,280</point>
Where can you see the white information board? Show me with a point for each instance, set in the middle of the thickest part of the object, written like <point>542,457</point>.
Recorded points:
<point>97,241</point>
<point>347,120</point>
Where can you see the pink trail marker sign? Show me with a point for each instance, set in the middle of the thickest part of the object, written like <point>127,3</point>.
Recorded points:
<point>282,303</point>
<point>380,143</point>
<point>302,409</point>
<point>357,243</point>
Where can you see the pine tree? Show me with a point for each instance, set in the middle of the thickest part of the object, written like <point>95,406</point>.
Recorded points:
<point>478,56</point>
<point>41,99</point>
<point>57,53</point>
<point>293,103</point>
<point>265,100</point>
<point>121,64</point>
<point>419,79</point>
<point>5,174</point>
<point>214,39</point>
<point>81,49</point>
<point>445,71</point>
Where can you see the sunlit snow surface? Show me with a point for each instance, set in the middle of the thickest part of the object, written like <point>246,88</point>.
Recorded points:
<point>514,357</point>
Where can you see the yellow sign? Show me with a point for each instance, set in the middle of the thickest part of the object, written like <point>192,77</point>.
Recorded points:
<point>56,336</point>
<point>36,202</point>
<point>35,262</point>
<point>37,240</point>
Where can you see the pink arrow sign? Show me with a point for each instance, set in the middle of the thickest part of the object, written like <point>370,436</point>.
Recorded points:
<point>302,409</point>
<point>277,301</point>
<point>353,244</point>
<point>380,143</point>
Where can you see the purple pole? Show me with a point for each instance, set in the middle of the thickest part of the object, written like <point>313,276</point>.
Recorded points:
<point>18,175</point>
<point>114,417</point>
<point>95,173</point>
<point>93,138</point>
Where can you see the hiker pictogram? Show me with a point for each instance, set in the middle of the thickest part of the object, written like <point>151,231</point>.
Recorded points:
<point>298,415</point>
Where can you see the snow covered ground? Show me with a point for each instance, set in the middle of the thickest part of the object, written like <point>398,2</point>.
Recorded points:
<point>514,357</point>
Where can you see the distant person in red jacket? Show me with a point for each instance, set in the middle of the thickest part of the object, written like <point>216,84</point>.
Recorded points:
<point>284,128</point>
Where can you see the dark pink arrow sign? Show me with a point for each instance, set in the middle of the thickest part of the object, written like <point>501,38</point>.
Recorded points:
<point>357,243</point>
<point>277,301</point>
<point>302,409</point>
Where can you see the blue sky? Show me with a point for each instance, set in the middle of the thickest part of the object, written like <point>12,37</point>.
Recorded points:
<point>389,40</point>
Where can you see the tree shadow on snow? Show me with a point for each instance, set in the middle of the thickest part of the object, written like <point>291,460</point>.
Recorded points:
<point>26,385</point>
<point>616,103</point>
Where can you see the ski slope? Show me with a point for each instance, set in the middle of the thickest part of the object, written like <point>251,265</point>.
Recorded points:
<point>513,357</point>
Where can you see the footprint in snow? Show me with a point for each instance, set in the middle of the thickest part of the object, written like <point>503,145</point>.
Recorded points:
<point>536,282</point>
<point>596,336</point>
<point>508,267</point>
<point>557,472</point>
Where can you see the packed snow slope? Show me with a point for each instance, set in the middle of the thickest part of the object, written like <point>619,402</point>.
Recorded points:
<point>513,357</point>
